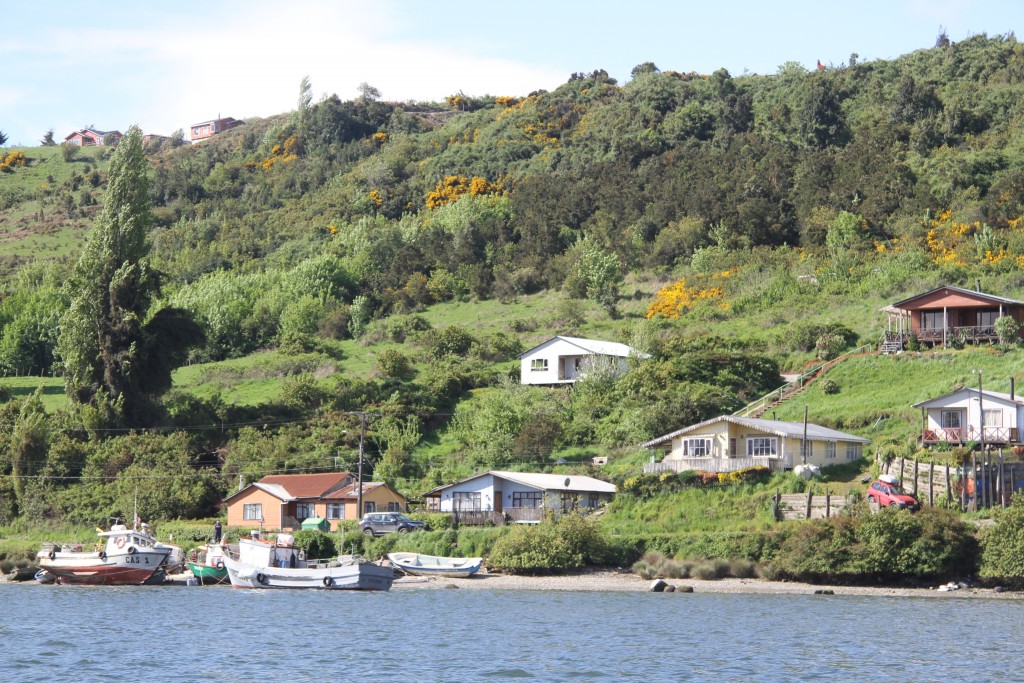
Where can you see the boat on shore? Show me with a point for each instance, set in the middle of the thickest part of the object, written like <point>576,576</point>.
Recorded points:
<point>279,564</point>
<point>432,565</point>
<point>122,556</point>
<point>207,563</point>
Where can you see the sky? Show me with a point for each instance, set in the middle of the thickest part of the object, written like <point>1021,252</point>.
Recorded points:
<point>165,65</point>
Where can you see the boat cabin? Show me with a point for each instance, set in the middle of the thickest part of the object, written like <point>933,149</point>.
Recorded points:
<point>253,552</point>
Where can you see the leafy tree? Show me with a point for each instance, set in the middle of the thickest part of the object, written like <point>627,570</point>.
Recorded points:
<point>3,139</point>
<point>110,351</point>
<point>368,92</point>
<point>822,122</point>
<point>48,140</point>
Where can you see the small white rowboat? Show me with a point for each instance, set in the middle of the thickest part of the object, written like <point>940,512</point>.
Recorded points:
<point>430,565</point>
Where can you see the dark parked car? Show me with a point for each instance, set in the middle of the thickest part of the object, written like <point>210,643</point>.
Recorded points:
<point>377,523</point>
<point>886,494</point>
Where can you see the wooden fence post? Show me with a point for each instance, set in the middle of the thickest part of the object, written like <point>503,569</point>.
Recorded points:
<point>949,489</point>
<point>915,476</point>
<point>828,504</point>
<point>807,511</point>
<point>1002,480</point>
<point>931,485</point>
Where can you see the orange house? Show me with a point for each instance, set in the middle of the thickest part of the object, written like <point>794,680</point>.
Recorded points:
<point>283,501</point>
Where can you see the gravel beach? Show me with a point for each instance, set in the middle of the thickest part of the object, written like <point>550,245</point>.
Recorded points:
<point>620,581</point>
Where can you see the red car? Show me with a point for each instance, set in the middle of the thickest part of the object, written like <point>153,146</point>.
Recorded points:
<point>886,494</point>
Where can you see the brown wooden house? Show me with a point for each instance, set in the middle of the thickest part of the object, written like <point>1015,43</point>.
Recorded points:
<point>90,137</point>
<point>283,501</point>
<point>207,129</point>
<point>947,313</point>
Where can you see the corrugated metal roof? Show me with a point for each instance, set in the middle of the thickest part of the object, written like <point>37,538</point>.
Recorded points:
<point>595,347</point>
<point>1019,400</point>
<point>961,290</point>
<point>546,482</point>
<point>778,427</point>
<point>306,485</point>
<point>351,492</point>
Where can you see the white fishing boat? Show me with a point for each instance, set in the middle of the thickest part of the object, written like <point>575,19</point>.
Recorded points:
<point>121,556</point>
<point>279,564</point>
<point>431,565</point>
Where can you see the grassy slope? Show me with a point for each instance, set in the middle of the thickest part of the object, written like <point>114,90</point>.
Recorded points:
<point>877,392</point>
<point>21,233</point>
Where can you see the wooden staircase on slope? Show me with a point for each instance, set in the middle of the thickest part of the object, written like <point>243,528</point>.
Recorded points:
<point>797,386</point>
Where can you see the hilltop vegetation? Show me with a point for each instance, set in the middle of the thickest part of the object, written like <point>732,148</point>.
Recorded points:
<point>395,258</point>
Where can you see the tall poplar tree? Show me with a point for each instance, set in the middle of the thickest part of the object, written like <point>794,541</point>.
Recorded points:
<point>113,355</point>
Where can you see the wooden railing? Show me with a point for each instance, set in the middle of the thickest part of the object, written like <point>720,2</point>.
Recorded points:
<point>490,517</point>
<point>718,464</point>
<point>993,435</point>
<point>969,333</point>
<point>760,405</point>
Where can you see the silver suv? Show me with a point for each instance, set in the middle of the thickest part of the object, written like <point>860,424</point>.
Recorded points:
<point>377,523</point>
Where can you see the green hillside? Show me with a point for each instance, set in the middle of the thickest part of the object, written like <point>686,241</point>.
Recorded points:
<point>395,258</point>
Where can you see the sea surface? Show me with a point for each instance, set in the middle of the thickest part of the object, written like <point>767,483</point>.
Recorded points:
<point>127,634</point>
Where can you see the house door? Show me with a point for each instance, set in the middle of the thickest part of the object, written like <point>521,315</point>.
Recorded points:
<point>497,501</point>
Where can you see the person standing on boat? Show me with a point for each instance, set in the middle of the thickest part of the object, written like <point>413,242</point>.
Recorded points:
<point>216,532</point>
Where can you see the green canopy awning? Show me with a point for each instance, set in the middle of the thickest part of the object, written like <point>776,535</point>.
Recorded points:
<point>316,523</point>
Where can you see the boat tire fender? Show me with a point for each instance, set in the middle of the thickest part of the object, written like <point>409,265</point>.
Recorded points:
<point>53,554</point>
<point>103,554</point>
<point>132,550</point>
<point>260,578</point>
<point>328,582</point>
<point>220,565</point>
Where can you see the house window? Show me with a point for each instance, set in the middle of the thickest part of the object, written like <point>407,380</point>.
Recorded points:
<point>732,448</point>
<point>394,507</point>
<point>335,511</point>
<point>252,511</point>
<point>466,500</point>
<point>369,506</point>
<point>950,419</point>
<point>762,445</point>
<point>987,318</point>
<point>303,511</point>
<point>593,500</point>
<point>852,450</point>
<point>539,365</point>
<point>568,501</point>
<point>932,320</point>
<point>527,499</point>
<point>830,450</point>
<point>992,418</point>
<point>697,448</point>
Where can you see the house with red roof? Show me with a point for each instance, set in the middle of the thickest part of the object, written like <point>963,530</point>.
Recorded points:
<point>283,501</point>
<point>90,137</point>
<point>207,129</point>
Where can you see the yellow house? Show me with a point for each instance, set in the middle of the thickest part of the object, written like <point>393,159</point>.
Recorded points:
<point>729,443</point>
<point>283,501</point>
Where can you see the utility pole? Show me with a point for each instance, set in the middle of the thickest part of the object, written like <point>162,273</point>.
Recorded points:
<point>362,439</point>
<point>981,435</point>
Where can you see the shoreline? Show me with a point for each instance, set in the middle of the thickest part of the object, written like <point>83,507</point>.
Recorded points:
<point>613,581</point>
<point>606,580</point>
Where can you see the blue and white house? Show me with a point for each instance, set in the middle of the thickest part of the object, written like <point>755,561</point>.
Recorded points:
<point>563,360</point>
<point>522,496</point>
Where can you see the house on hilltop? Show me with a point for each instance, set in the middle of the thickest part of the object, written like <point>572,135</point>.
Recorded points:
<point>207,129</point>
<point>947,313</point>
<point>284,501</point>
<point>970,415</point>
<point>563,360</point>
<point>90,137</point>
<point>729,443</point>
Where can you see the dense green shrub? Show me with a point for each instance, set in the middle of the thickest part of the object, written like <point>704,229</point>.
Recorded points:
<point>1002,555</point>
<point>316,543</point>
<point>570,542</point>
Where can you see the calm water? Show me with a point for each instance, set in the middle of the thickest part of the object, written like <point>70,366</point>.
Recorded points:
<point>77,633</point>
